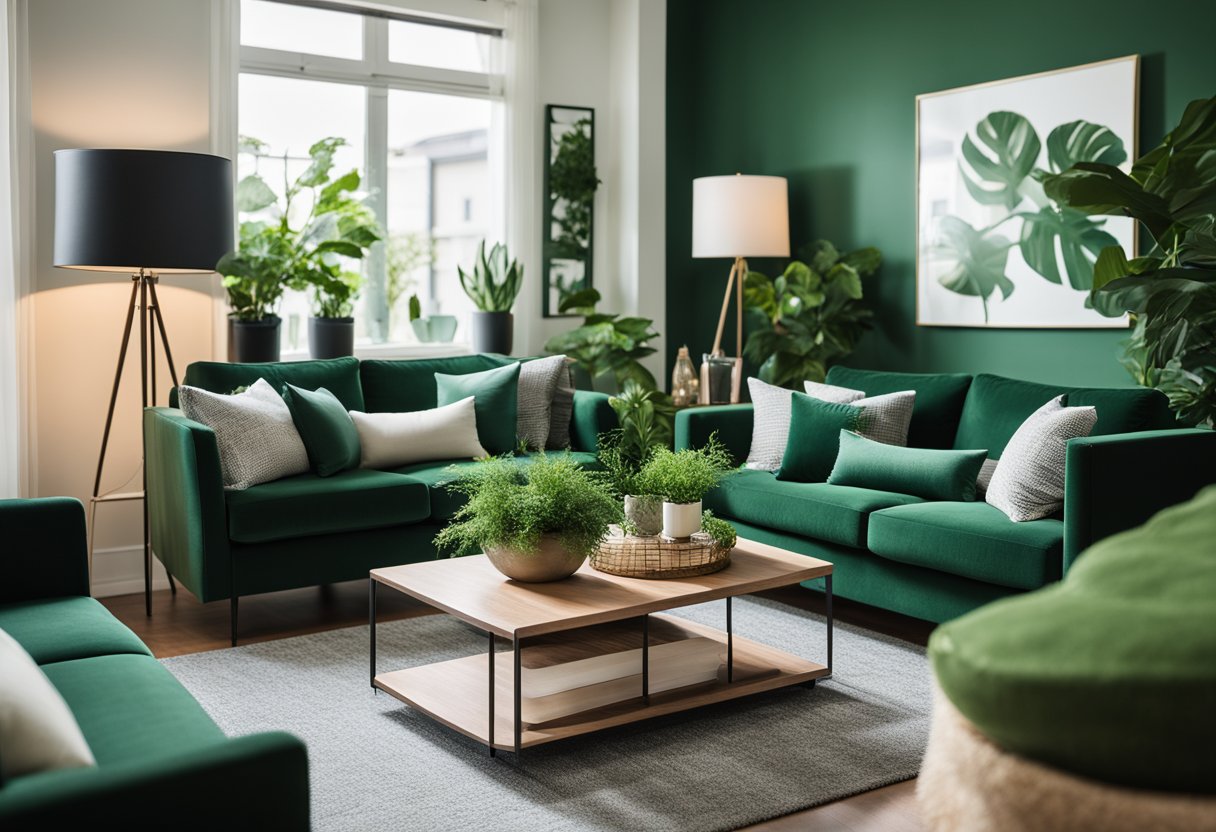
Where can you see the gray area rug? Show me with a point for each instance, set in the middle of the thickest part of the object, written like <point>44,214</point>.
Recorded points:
<point>377,764</point>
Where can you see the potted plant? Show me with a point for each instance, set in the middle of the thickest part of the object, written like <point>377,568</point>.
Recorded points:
<point>536,523</point>
<point>645,417</point>
<point>493,287</point>
<point>682,479</point>
<point>606,348</point>
<point>302,240</point>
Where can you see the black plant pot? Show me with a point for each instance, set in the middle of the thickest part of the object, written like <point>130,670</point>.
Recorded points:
<point>331,337</point>
<point>254,341</point>
<point>493,332</point>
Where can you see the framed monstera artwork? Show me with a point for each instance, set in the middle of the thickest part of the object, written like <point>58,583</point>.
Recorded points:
<point>993,250</point>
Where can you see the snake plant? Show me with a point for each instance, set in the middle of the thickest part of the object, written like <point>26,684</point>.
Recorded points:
<point>495,282</point>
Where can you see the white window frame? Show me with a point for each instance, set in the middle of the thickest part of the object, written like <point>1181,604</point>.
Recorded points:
<point>377,74</point>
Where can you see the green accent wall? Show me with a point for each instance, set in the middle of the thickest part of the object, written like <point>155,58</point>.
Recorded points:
<point>824,93</point>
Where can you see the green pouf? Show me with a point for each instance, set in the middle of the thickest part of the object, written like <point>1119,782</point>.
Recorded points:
<point>1110,674</point>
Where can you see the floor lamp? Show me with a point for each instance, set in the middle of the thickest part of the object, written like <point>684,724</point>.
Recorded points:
<point>142,213</point>
<point>737,217</point>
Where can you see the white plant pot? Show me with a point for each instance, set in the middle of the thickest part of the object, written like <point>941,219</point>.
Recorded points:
<point>681,519</point>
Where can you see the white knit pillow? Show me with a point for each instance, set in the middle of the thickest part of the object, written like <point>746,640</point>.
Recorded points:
<point>987,469</point>
<point>770,424</point>
<point>1028,483</point>
<point>538,382</point>
<point>832,393</point>
<point>257,439</point>
<point>886,418</point>
<point>389,440</point>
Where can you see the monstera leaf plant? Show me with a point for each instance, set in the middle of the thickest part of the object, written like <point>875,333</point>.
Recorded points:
<point>999,168</point>
<point>1171,291</point>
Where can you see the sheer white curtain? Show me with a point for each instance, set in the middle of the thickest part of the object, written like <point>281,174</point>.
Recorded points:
<point>16,217</point>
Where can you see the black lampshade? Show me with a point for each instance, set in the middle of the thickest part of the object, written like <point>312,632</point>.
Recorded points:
<point>126,210</point>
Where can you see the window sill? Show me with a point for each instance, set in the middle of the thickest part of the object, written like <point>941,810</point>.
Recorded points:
<point>392,351</point>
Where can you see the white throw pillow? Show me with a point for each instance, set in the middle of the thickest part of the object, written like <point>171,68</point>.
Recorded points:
<point>37,729</point>
<point>770,424</point>
<point>257,439</point>
<point>886,418</point>
<point>390,440</point>
<point>1028,483</point>
<point>987,469</point>
<point>832,393</point>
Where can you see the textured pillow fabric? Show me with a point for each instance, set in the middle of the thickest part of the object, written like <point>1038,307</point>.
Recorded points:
<point>496,402</point>
<point>832,393</point>
<point>814,437</point>
<point>886,418</point>
<point>254,431</point>
<point>538,382</point>
<point>922,472</point>
<point>985,476</point>
<point>390,440</point>
<point>37,729</point>
<point>327,430</point>
<point>562,412</point>
<point>1028,484</point>
<point>770,424</point>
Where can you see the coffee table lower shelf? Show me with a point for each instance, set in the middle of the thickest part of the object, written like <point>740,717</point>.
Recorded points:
<point>456,692</point>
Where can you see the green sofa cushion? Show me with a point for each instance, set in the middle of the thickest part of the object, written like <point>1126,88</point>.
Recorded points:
<point>309,505</point>
<point>329,435</point>
<point>130,708</point>
<point>408,385</point>
<point>61,629</point>
<point>973,540</point>
<point>436,474</point>
<point>832,513</point>
<point>815,429</point>
<point>931,473</point>
<point>996,407</point>
<point>1110,674</point>
<point>338,375</point>
<point>496,400</point>
<point>939,400</point>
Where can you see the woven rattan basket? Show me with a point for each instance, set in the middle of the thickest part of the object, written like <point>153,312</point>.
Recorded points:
<point>659,557</point>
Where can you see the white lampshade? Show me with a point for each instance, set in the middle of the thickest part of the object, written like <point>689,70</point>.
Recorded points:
<point>740,216</point>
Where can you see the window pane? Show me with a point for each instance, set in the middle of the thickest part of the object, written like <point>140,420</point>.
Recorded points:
<point>439,186</point>
<point>438,46</point>
<point>300,29</point>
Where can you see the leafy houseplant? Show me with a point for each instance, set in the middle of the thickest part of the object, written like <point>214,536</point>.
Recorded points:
<point>606,347</point>
<point>722,532</point>
<point>536,523</point>
<point>645,417</point>
<point>573,179</point>
<point>682,479</point>
<point>1171,292</point>
<point>812,313</point>
<point>493,287</point>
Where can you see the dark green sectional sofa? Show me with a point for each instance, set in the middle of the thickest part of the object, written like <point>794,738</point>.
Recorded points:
<point>308,530</point>
<point>938,560</point>
<point>161,761</point>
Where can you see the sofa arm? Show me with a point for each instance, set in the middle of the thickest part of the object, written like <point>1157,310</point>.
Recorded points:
<point>733,422</point>
<point>186,507</point>
<point>258,781</point>
<point>592,416</point>
<point>1117,482</point>
<point>45,551</point>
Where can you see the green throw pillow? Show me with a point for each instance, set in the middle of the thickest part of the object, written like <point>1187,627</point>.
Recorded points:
<point>815,425</point>
<point>326,428</point>
<point>922,472</point>
<point>494,393</point>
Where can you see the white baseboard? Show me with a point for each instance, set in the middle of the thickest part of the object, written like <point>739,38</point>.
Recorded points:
<point>120,571</point>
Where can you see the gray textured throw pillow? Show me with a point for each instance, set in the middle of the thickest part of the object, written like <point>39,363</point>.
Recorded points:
<point>1028,484</point>
<point>770,424</point>
<point>538,381</point>
<point>886,418</point>
<point>257,438</point>
<point>562,411</point>
<point>832,393</point>
<point>987,469</point>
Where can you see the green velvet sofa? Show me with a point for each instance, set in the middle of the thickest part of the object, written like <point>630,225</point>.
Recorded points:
<point>308,530</point>
<point>938,560</point>
<point>161,761</point>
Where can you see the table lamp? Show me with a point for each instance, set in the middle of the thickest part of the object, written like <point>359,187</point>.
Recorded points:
<point>737,217</point>
<point>142,213</point>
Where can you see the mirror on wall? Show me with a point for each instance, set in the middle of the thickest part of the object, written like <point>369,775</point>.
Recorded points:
<point>570,185</point>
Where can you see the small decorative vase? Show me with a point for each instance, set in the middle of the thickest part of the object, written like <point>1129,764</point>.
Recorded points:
<point>684,383</point>
<point>443,328</point>
<point>645,514</point>
<point>681,520</point>
<point>331,337</point>
<point>422,330</point>
<point>551,562</point>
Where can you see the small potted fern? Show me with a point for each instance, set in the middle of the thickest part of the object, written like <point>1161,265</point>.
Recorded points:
<point>493,287</point>
<point>536,523</point>
<point>682,479</point>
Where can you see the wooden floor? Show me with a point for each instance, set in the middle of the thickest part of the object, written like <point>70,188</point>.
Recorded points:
<point>180,624</point>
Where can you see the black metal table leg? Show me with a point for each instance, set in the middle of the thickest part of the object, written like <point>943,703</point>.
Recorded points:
<point>491,635</point>
<point>646,658</point>
<point>730,644</point>
<point>518,718</point>
<point>371,626</point>
<point>827,595</point>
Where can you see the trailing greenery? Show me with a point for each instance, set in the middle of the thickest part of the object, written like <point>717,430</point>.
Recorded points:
<point>513,506</point>
<point>812,313</point>
<point>723,533</point>
<point>495,282</point>
<point>572,183</point>
<point>606,344</point>
<point>1170,293</point>
<point>303,240</point>
<point>685,476</point>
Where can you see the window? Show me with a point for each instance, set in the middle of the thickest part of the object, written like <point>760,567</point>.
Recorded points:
<point>418,105</point>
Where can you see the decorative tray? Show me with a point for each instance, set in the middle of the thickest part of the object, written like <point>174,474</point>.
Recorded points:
<point>659,557</point>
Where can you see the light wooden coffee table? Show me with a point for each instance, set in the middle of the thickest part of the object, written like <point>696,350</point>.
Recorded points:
<point>480,698</point>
